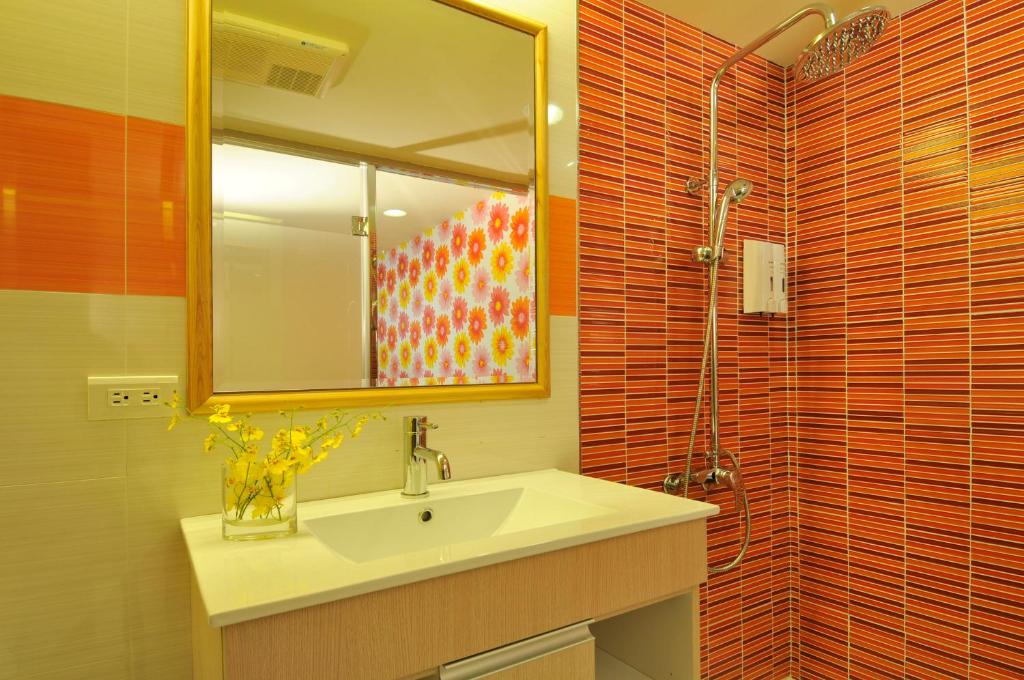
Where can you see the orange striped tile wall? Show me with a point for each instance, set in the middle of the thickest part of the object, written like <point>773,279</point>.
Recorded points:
<point>907,264</point>
<point>643,83</point>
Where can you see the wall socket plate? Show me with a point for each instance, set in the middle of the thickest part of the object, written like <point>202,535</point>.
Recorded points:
<point>130,396</point>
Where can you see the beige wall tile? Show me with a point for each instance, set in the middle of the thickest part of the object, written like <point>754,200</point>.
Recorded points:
<point>63,581</point>
<point>50,343</point>
<point>156,60</point>
<point>66,51</point>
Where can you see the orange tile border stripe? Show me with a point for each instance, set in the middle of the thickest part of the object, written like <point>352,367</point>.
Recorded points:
<point>562,255</point>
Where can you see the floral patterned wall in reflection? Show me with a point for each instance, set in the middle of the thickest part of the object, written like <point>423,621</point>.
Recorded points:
<point>457,304</point>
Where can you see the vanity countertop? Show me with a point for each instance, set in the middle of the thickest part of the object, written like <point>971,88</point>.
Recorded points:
<point>244,580</point>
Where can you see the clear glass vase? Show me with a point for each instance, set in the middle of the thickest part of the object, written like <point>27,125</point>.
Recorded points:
<point>256,503</point>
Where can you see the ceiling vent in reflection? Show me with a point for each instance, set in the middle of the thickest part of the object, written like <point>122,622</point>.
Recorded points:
<point>255,52</point>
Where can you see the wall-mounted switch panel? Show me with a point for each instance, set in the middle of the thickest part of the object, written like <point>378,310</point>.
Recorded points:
<point>130,396</point>
<point>764,277</point>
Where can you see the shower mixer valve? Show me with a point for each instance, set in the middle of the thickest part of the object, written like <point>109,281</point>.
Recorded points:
<point>715,477</point>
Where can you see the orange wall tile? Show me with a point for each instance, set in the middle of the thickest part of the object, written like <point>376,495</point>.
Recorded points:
<point>62,219</point>
<point>562,255</point>
<point>643,112</point>
<point>906,280</point>
<point>156,208</point>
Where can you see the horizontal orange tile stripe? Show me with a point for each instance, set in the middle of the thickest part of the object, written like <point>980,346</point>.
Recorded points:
<point>156,208</point>
<point>62,208</point>
<point>562,255</point>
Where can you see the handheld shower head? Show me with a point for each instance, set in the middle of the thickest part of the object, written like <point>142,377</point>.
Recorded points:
<point>841,44</point>
<point>738,190</point>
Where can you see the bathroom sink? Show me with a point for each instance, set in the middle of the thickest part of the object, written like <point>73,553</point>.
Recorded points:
<point>353,545</point>
<point>412,525</point>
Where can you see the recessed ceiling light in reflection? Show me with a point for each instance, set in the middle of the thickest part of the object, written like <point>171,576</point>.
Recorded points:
<point>555,114</point>
<point>395,212</point>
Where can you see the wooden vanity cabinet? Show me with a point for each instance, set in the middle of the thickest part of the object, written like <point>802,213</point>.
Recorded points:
<point>409,631</point>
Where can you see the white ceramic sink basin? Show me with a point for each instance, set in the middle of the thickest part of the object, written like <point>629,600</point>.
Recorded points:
<point>359,544</point>
<point>413,525</point>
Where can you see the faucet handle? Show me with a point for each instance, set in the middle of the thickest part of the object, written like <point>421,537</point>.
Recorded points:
<point>416,424</point>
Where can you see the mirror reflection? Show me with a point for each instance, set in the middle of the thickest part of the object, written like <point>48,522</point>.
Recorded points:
<point>374,196</point>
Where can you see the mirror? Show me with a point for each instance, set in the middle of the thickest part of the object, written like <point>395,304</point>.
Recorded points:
<point>367,203</point>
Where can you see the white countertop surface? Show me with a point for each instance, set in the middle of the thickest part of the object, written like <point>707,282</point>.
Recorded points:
<point>244,580</point>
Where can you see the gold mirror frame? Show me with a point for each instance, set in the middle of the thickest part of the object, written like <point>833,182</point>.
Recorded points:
<point>199,294</point>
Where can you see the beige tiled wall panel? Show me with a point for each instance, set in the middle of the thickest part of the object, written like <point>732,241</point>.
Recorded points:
<point>65,51</point>
<point>155,65</point>
<point>49,342</point>
<point>95,575</point>
<point>63,581</point>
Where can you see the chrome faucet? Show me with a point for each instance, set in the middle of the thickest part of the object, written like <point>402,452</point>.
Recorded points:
<point>416,453</point>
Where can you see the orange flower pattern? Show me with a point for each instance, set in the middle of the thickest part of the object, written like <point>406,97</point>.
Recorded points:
<point>455,303</point>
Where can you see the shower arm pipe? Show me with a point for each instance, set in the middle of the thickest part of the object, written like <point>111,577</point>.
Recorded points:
<point>820,9</point>
<point>716,233</point>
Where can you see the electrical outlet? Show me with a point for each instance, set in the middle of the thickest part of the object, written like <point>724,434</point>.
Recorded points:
<point>151,396</point>
<point>130,396</point>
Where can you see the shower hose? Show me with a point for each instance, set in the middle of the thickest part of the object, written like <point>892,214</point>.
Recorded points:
<point>741,493</point>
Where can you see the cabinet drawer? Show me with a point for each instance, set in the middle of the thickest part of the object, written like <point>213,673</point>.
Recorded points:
<point>566,653</point>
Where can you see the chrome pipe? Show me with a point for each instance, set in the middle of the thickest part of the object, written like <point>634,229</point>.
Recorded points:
<point>829,15</point>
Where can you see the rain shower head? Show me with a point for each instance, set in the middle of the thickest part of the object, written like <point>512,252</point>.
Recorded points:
<point>841,44</point>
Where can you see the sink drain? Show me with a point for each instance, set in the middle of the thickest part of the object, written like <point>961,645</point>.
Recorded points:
<point>426,515</point>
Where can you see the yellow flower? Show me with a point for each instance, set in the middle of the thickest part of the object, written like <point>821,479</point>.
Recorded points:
<point>404,293</point>
<point>299,435</point>
<point>359,426</point>
<point>209,442</point>
<point>501,345</point>
<point>251,433</point>
<point>501,261</point>
<point>302,458</point>
<point>278,493</point>
<point>430,352</point>
<point>175,400</point>
<point>173,422</point>
<point>430,286</point>
<point>462,349</point>
<point>237,473</point>
<point>322,422</point>
<point>275,465</point>
<point>262,506</point>
<point>460,275</point>
<point>221,414</point>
